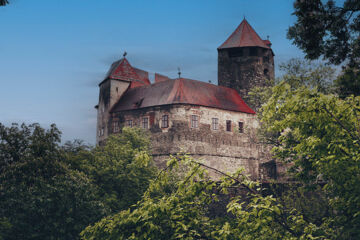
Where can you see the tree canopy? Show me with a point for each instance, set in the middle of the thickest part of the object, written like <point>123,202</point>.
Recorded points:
<point>328,29</point>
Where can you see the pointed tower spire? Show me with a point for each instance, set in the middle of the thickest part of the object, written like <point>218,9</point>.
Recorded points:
<point>243,36</point>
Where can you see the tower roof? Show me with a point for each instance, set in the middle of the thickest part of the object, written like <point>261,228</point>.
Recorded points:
<point>244,36</point>
<point>122,70</point>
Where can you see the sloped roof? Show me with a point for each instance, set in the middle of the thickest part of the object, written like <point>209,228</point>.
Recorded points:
<point>182,91</point>
<point>122,70</point>
<point>244,36</point>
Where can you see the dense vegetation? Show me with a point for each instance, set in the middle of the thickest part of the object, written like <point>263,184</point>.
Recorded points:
<point>49,191</point>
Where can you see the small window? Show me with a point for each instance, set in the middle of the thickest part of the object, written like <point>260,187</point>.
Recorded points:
<point>145,123</point>
<point>215,123</point>
<point>117,89</point>
<point>129,123</point>
<point>228,125</point>
<point>266,72</point>
<point>165,121</point>
<point>241,127</point>
<point>265,59</point>
<point>116,127</point>
<point>101,132</point>
<point>194,121</point>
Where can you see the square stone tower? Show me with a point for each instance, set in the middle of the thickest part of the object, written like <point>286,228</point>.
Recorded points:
<point>245,60</point>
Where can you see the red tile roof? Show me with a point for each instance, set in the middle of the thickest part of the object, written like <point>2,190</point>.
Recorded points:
<point>244,36</point>
<point>160,78</point>
<point>182,91</point>
<point>122,70</point>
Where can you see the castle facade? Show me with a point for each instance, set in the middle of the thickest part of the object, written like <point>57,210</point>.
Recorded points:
<point>209,122</point>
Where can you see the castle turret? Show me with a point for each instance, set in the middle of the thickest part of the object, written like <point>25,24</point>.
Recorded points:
<point>120,77</point>
<point>245,60</point>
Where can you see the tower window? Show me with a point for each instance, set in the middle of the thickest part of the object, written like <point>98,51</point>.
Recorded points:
<point>215,123</point>
<point>165,121</point>
<point>145,123</point>
<point>241,127</point>
<point>117,89</point>
<point>266,59</point>
<point>194,121</point>
<point>253,51</point>
<point>228,125</point>
<point>266,72</point>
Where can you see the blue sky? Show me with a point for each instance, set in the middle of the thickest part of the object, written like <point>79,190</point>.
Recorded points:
<point>53,53</point>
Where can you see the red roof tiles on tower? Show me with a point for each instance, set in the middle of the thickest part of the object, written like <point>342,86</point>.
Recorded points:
<point>244,36</point>
<point>122,70</point>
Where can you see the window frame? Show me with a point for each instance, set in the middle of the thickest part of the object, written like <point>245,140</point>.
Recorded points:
<point>194,121</point>
<point>116,127</point>
<point>228,125</point>
<point>241,127</point>
<point>129,123</point>
<point>215,123</point>
<point>143,123</point>
<point>165,121</point>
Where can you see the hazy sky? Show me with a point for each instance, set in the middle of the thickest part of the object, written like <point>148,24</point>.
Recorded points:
<point>53,53</point>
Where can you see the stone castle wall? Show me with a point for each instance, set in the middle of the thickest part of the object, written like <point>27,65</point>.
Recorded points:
<point>244,68</point>
<point>220,149</point>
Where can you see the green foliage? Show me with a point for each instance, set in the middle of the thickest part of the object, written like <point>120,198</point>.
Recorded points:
<point>319,135</point>
<point>297,73</point>
<point>325,28</point>
<point>122,169</point>
<point>348,83</point>
<point>40,196</point>
<point>178,210</point>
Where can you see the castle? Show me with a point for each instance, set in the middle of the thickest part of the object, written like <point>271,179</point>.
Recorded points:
<point>209,122</point>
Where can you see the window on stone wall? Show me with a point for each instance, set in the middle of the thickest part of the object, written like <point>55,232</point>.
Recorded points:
<point>145,123</point>
<point>228,125</point>
<point>215,123</point>
<point>129,123</point>
<point>266,72</point>
<point>194,121</point>
<point>266,59</point>
<point>116,127</point>
<point>101,132</point>
<point>241,127</point>
<point>165,121</point>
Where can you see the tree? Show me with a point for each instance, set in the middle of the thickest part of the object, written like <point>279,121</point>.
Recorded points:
<point>122,169</point>
<point>328,30</point>
<point>297,73</point>
<point>319,136</point>
<point>178,210</point>
<point>40,196</point>
<point>3,2</point>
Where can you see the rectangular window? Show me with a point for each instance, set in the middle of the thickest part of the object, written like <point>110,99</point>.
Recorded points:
<point>241,127</point>
<point>101,132</point>
<point>228,125</point>
<point>129,123</point>
<point>145,123</point>
<point>165,121</point>
<point>215,123</point>
<point>194,121</point>
<point>116,127</point>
